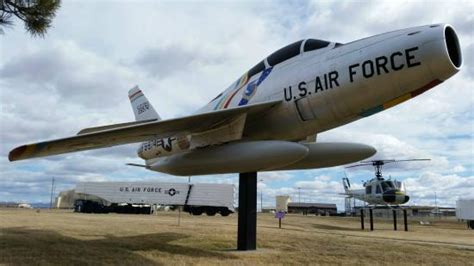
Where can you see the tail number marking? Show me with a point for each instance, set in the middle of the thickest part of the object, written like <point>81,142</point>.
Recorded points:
<point>141,108</point>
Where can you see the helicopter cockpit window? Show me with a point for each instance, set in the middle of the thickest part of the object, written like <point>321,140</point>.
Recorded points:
<point>387,185</point>
<point>368,190</point>
<point>378,191</point>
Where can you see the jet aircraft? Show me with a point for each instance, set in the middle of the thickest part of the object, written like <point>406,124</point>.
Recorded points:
<point>268,119</point>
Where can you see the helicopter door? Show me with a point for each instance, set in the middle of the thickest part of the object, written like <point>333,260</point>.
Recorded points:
<point>368,190</point>
<point>378,193</point>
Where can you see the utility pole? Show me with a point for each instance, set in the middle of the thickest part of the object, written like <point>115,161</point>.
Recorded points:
<point>436,205</point>
<point>299,194</point>
<point>52,192</point>
<point>189,179</point>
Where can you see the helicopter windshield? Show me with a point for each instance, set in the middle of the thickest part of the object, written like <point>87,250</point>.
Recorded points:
<point>368,189</point>
<point>387,185</point>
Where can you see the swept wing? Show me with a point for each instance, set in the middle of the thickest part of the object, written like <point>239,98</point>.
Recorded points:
<point>112,135</point>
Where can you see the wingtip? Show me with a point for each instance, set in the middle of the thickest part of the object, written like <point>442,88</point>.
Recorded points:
<point>16,153</point>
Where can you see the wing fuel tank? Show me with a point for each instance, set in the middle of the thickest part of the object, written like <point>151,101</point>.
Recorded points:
<point>327,154</point>
<point>239,157</point>
<point>262,156</point>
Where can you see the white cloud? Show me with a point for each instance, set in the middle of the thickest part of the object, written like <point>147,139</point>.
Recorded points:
<point>280,175</point>
<point>183,54</point>
<point>448,188</point>
<point>459,169</point>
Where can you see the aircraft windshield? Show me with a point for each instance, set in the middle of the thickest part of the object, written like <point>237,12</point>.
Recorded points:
<point>294,49</point>
<point>313,44</point>
<point>387,185</point>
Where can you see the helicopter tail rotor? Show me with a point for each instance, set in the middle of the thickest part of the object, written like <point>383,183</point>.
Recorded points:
<point>346,183</point>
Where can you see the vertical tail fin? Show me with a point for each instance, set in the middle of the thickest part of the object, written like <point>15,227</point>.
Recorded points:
<point>142,109</point>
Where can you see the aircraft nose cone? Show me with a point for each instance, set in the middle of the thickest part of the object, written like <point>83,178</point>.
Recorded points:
<point>389,196</point>
<point>395,196</point>
<point>407,198</point>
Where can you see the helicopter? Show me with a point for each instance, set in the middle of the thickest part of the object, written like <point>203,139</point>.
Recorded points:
<point>379,191</point>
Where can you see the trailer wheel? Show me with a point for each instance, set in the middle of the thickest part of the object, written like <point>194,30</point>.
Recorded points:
<point>197,211</point>
<point>471,224</point>
<point>87,207</point>
<point>225,212</point>
<point>211,212</point>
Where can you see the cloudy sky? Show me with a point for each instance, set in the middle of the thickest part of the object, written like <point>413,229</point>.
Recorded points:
<point>183,53</point>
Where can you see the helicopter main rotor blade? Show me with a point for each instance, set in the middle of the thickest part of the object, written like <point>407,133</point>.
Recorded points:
<point>407,160</point>
<point>379,161</point>
<point>357,165</point>
<point>382,162</point>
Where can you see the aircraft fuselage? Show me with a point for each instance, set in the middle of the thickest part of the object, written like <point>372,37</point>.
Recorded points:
<point>333,86</point>
<point>336,84</point>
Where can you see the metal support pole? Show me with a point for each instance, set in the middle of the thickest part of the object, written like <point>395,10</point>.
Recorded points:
<point>261,198</point>
<point>362,219</point>
<point>405,220</point>
<point>247,221</point>
<point>179,215</point>
<point>394,220</point>
<point>371,220</point>
<point>52,193</point>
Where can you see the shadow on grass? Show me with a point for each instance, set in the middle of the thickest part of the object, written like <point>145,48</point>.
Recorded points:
<point>333,227</point>
<point>27,246</point>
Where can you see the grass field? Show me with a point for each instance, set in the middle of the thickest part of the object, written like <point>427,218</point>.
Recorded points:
<point>64,237</point>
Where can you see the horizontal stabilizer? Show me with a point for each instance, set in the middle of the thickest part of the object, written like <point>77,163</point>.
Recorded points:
<point>138,165</point>
<point>131,133</point>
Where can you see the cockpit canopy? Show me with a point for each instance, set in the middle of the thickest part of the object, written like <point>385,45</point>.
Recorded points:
<point>283,54</point>
<point>290,51</point>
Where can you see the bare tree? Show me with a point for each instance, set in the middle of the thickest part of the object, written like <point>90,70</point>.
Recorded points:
<point>36,14</point>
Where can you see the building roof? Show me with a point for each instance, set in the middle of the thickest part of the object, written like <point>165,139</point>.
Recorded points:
<point>312,205</point>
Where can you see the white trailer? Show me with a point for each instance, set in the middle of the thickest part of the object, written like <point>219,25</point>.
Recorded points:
<point>465,211</point>
<point>195,198</point>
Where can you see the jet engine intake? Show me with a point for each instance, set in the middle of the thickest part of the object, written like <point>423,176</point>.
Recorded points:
<point>445,57</point>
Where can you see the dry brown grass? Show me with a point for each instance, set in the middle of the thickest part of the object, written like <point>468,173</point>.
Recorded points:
<point>63,237</point>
